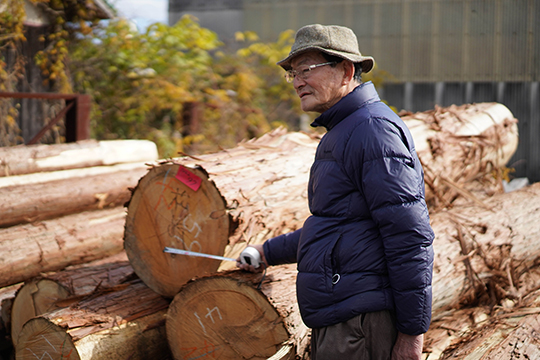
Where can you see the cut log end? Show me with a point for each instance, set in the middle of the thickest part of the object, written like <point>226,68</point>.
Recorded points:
<point>225,318</point>
<point>166,211</point>
<point>42,339</point>
<point>34,298</point>
<point>123,323</point>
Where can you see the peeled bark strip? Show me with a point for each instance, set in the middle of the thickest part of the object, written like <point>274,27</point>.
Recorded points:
<point>463,150</point>
<point>509,331</point>
<point>502,339</point>
<point>75,191</point>
<point>44,294</point>
<point>125,324</point>
<point>485,255</point>
<point>28,250</point>
<point>221,317</point>
<point>23,159</point>
<point>174,207</point>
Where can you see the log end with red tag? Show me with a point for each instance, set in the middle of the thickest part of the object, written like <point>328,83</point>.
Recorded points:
<point>179,207</point>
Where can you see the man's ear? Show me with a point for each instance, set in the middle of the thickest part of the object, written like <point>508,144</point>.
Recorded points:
<point>348,73</point>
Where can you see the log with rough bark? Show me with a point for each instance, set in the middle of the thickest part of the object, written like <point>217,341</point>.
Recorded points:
<point>36,197</point>
<point>18,160</point>
<point>30,249</point>
<point>484,254</point>
<point>512,337</point>
<point>264,184</point>
<point>49,292</point>
<point>464,150</point>
<point>484,257</point>
<point>508,331</point>
<point>127,323</point>
<point>228,317</point>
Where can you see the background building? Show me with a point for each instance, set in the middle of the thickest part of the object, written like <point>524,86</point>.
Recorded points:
<point>440,52</point>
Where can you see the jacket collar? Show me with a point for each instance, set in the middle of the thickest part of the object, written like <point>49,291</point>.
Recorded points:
<point>361,95</point>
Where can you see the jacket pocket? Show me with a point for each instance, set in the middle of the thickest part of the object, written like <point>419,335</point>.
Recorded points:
<point>332,262</point>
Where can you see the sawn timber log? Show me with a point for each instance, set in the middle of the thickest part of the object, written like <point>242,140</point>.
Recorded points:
<point>483,258</point>
<point>50,291</point>
<point>36,197</point>
<point>263,183</point>
<point>22,159</point>
<point>239,315</point>
<point>30,249</point>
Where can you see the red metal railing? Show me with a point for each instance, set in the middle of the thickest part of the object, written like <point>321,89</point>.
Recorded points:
<point>76,113</point>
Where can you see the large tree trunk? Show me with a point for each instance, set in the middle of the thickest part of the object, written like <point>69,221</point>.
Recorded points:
<point>500,339</point>
<point>496,272</point>
<point>508,331</point>
<point>45,294</point>
<point>34,197</point>
<point>128,323</point>
<point>18,160</point>
<point>484,254</point>
<point>264,184</point>
<point>463,150</point>
<point>30,249</point>
<point>265,188</point>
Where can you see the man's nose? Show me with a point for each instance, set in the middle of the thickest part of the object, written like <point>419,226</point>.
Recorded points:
<point>298,82</point>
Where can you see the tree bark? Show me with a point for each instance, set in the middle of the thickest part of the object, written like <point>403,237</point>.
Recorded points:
<point>484,255</point>
<point>509,331</point>
<point>464,150</point>
<point>128,323</point>
<point>18,160</point>
<point>30,249</point>
<point>72,191</point>
<point>47,293</point>
<point>500,273</point>
<point>264,183</point>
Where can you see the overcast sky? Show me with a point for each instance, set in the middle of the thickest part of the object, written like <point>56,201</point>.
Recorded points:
<point>143,12</point>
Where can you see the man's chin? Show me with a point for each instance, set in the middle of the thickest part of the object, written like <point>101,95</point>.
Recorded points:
<point>305,104</point>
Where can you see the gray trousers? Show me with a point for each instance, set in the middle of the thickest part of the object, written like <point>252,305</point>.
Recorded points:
<point>369,336</point>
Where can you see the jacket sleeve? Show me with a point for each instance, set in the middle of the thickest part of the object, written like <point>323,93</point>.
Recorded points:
<point>282,249</point>
<point>391,179</point>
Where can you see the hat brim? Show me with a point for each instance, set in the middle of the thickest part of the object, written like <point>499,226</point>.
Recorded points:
<point>367,61</point>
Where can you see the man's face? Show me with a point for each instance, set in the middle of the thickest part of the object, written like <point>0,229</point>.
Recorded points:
<point>324,86</point>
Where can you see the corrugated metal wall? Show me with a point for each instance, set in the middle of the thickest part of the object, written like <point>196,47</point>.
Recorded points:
<point>423,40</point>
<point>437,51</point>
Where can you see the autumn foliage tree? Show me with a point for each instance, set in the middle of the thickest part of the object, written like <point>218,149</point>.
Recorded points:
<point>176,85</point>
<point>179,86</point>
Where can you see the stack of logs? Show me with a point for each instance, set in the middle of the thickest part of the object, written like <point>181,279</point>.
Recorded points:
<point>147,304</point>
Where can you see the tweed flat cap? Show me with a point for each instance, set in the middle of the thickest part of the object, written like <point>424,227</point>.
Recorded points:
<point>331,39</point>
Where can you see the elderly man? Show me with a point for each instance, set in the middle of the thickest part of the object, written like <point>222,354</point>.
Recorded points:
<point>365,255</point>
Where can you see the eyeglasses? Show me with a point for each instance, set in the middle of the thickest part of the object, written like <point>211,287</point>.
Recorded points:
<point>304,71</point>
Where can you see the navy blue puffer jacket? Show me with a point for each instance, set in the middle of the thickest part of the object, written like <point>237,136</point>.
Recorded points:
<point>368,244</point>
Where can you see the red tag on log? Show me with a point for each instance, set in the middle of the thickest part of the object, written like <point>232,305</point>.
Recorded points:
<point>188,178</point>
